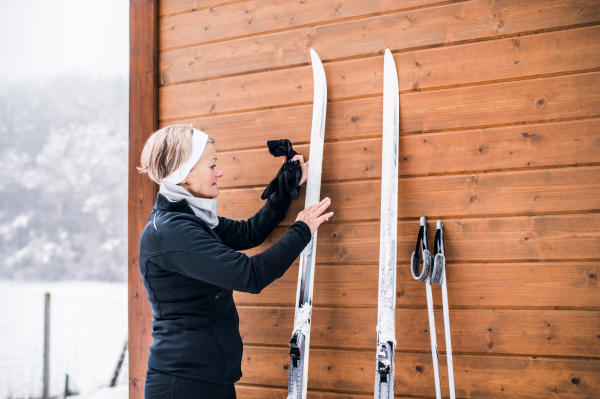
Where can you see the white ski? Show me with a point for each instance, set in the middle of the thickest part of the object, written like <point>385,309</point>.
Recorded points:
<point>386,314</point>
<point>299,344</point>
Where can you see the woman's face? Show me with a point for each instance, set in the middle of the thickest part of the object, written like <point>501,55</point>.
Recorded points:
<point>201,182</point>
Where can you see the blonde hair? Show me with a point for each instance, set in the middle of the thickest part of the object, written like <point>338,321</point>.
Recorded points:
<point>166,149</point>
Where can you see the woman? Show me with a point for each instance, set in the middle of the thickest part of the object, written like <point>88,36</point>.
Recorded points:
<point>190,265</point>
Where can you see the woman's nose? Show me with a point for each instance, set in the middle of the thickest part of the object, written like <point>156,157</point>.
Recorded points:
<point>219,172</point>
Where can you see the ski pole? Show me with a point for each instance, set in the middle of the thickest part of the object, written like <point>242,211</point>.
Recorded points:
<point>439,278</point>
<point>425,276</point>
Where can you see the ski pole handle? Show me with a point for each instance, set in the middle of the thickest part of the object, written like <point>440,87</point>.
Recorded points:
<point>415,258</point>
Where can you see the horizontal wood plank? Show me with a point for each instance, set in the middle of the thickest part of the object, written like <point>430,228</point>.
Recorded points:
<point>258,16</point>
<point>252,392</point>
<point>475,376</point>
<point>540,145</point>
<point>519,147</point>
<point>537,238</point>
<point>497,285</point>
<point>506,193</point>
<point>534,55</point>
<point>346,120</point>
<point>167,7</point>
<point>575,96</point>
<point>527,332</point>
<point>451,23</point>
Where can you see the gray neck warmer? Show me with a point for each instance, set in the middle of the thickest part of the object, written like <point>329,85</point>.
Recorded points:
<point>204,208</point>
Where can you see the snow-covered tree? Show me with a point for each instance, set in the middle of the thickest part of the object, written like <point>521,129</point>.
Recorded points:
<point>63,180</point>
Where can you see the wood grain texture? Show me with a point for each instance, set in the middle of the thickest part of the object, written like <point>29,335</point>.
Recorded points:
<point>512,193</point>
<point>452,23</point>
<point>539,145</point>
<point>499,138</point>
<point>252,392</point>
<point>548,99</point>
<point>259,16</point>
<point>489,285</point>
<point>168,7</point>
<point>537,238</point>
<point>475,376</point>
<point>473,63</point>
<point>521,192</point>
<point>506,193</point>
<point>257,392</point>
<point>143,120</point>
<point>517,332</point>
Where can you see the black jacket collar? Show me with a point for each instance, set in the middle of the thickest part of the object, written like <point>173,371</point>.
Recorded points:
<point>163,204</point>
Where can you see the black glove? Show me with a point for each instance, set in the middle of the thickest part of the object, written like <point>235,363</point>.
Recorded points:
<point>290,173</point>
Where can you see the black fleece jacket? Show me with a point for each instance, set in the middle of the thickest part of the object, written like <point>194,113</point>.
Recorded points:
<point>190,271</point>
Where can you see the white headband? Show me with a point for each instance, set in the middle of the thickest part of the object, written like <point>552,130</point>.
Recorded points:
<point>199,140</point>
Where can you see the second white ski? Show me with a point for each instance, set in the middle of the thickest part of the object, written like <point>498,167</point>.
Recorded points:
<point>299,344</point>
<point>386,313</point>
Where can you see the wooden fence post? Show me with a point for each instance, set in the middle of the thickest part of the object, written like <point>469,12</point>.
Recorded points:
<point>46,346</point>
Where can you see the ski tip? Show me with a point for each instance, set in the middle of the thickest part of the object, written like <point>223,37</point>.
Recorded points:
<point>423,221</point>
<point>389,70</point>
<point>388,58</point>
<point>318,70</point>
<point>314,57</point>
<point>439,225</point>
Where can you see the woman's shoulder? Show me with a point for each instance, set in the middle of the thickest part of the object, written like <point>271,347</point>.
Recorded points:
<point>181,224</point>
<point>169,234</point>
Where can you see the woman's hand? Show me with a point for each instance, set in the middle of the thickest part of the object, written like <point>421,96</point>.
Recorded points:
<point>312,215</point>
<point>303,166</point>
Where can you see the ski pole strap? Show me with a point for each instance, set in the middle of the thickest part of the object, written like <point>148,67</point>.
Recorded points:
<point>419,238</point>
<point>439,261</point>
<point>415,259</point>
<point>436,242</point>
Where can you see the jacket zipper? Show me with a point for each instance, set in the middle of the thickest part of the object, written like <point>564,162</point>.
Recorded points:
<point>215,311</point>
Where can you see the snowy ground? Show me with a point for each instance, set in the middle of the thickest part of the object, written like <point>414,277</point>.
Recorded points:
<point>119,392</point>
<point>87,334</point>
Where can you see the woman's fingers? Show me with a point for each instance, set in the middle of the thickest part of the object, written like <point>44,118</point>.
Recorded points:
<point>304,168</point>
<point>297,157</point>
<point>313,208</point>
<point>324,200</point>
<point>324,217</point>
<point>312,215</point>
<point>321,206</point>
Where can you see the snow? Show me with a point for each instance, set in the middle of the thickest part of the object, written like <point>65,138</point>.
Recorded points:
<point>386,303</point>
<point>63,179</point>
<point>385,328</point>
<point>301,321</point>
<point>88,329</point>
<point>118,392</point>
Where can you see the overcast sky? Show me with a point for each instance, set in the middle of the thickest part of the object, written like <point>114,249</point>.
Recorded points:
<point>44,38</point>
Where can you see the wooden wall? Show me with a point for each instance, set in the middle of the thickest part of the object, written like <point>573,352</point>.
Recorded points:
<point>499,138</point>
